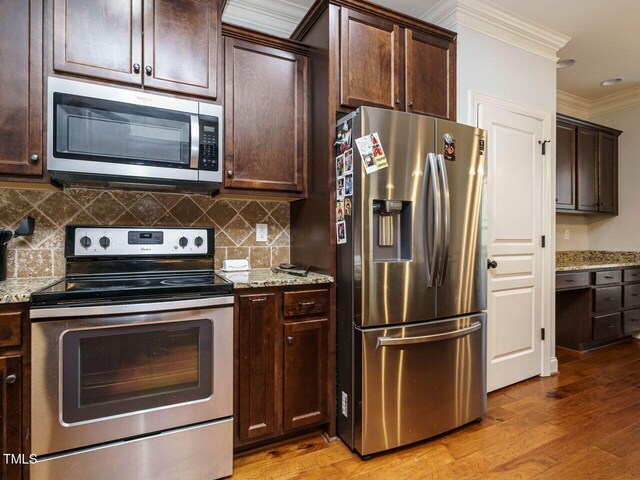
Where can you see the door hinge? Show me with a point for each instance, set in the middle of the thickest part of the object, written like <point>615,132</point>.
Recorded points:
<point>544,241</point>
<point>542,333</point>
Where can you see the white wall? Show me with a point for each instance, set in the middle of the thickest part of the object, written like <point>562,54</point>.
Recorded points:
<point>578,228</point>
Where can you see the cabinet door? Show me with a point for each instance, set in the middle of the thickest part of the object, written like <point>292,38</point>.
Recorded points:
<point>101,38</point>
<point>181,45</point>
<point>11,416</point>
<point>305,373</point>
<point>369,61</point>
<point>21,80</point>
<point>265,136</point>
<point>608,173</point>
<point>587,146</point>
<point>430,73</point>
<point>257,321</point>
<point>565,166</point>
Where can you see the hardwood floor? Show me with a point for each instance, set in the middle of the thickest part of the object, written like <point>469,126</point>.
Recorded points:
<point>583,423</point>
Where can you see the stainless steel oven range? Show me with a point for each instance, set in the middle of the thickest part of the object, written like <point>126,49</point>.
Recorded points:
<point>132,358</point>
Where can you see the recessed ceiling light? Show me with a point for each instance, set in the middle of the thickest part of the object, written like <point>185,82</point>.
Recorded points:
<point>611,81</point>
<point>565,63</point>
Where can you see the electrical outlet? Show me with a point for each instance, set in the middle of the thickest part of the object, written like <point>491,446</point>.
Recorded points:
<point>567,234</point>
<point>261,232</point>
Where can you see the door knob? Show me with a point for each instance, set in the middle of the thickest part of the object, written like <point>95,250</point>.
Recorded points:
<point>290,340</point>
<point>34,158</point>
<point>136,68</point>
<point>148,69</point>
<point>11,379</point>
<point>492,264</point>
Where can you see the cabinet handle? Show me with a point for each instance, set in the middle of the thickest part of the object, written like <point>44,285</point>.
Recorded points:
<point>11,379</point>
<point>610,299</point>
<point>635,274</point>
<point>634,320</point>
<point>635,294</point>
<point>611,325</point>
<point>571,281</point>
<point>411,104</point>
<point>148,69</point>
<point>290,340</point>
<point>34,158</point>
<point>306,304</point>
<point>229,173</point>
<point>136,68</point>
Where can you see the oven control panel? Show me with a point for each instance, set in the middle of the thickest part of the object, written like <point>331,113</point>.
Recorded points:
<point>138,241</point>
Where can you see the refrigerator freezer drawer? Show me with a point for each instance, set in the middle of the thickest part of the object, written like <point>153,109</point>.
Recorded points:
<point>419,381</point>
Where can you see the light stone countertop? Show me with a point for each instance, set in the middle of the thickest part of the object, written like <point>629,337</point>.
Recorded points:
<point>264,277</point>
<point>594,260</point>
<point>19,290</point>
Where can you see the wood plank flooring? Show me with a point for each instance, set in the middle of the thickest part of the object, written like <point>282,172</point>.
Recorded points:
<point>583,423</point>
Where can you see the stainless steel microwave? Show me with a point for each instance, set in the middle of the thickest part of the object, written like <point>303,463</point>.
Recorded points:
<point>101,136</point>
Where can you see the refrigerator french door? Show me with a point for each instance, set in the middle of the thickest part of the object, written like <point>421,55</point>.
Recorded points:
<point>411,283</point>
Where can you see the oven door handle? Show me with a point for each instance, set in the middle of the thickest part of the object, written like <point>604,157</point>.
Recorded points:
<point>195,142</point>
<point>391,341</point>
<point>125,309</point>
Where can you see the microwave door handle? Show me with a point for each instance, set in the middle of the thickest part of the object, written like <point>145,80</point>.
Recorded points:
<point>446,219</point>
<point>195,142</point>
<point>436,337</point>
<point>432,257</point>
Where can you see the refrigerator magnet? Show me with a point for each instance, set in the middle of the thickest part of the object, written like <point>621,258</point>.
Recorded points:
<point>340,166</point>
<point>339,211</point>
<point>340,188</point>
<point>449,149</point>
<point>347,207</point>
<point>378,152</point>
<point>343,137</point>
<point>348,185</point>
<point>341,232</point>
<point>348,161</point>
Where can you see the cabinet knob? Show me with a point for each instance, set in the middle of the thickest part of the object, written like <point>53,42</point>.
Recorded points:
<point>411,104</point>
<point>148,69</point>
<point>229,173</point>
<point>11,379</point>
<point>397,101</point>
<point>136,68</point>
<point>34,158</point>
<point>290,340</point>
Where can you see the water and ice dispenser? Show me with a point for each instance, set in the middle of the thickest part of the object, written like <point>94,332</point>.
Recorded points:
<point>392,230</point>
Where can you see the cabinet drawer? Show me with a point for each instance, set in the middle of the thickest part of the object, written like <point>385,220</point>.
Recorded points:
<point>631,321</point>
<point>632,296</point>
<point>572,280</point>
<point>632,275</point>
<point>610,276</point>
<point>606,326</point>
<point>607,299</point>
<point>306,302</point>
<point>10,330</point>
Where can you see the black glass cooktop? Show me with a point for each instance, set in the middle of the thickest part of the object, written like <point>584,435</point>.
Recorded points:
<point>127,288</point>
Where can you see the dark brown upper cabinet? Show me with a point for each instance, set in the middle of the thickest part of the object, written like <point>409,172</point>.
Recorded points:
<point>165,44</point>
<point>265,125</point>
<point>390,65</point>
<point>586,167</point>
<point>21,153</point>
<point>369,61</point>
<point>430,72</point>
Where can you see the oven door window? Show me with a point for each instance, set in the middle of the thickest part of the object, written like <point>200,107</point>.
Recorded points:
<point>107,131</point>
<point>121,370</point>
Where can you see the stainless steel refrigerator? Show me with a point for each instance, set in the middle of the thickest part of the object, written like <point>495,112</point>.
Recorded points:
<point>411,279</point>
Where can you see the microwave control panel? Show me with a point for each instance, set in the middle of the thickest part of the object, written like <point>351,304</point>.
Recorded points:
<point>209,143</point>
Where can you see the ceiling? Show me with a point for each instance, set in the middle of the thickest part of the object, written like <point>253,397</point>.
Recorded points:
<point>605,41</point>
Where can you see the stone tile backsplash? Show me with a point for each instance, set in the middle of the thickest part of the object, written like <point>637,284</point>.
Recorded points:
<point>42,254</point>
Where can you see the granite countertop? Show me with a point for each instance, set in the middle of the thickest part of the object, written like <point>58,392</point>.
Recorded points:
<point>595,259</point>
<point>264,277</point>
<point>19,290</point>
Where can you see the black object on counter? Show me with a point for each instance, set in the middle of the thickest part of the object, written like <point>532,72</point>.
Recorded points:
<point>291,269</point>
<point>25,228</point>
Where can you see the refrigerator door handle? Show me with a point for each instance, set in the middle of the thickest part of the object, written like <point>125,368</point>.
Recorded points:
<point>432,260</point>
<point>436,337</point>
<point>446,220</point>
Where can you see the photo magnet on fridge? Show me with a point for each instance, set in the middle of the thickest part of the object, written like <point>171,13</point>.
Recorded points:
<point>340,188</point>
<point>343,137</point>
<point>348,185</point>
<point>378,152</point>
<point>365,147</point>
<point>341,232</point>
<point>348,161</point>
<point>449,149</point>
<point>339,211</point>
<point>347,207</point>
<point>340,166</point>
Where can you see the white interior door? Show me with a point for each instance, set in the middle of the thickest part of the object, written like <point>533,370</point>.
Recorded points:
<point>515,202</point>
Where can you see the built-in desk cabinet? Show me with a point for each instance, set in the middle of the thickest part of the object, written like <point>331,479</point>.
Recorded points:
<point>282,380</point>
<point>594,308</point>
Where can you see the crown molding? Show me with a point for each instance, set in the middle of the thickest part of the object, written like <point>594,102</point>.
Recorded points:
<point>494,22</point>
<point>276,17</point>
<point>580,107</point>
<point>573,105</point>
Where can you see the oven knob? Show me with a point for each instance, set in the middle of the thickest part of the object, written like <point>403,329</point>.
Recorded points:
<point>183,242</point>
<point>105,242</point>
<point>85,242</point>
<point>198,241</point>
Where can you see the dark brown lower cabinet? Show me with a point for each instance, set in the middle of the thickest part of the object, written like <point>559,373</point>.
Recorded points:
<point>11,419</point>
<point>282,367</point>
<point>305,373</point>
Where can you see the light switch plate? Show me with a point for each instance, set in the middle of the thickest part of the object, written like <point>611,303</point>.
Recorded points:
<point>261,232</point>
